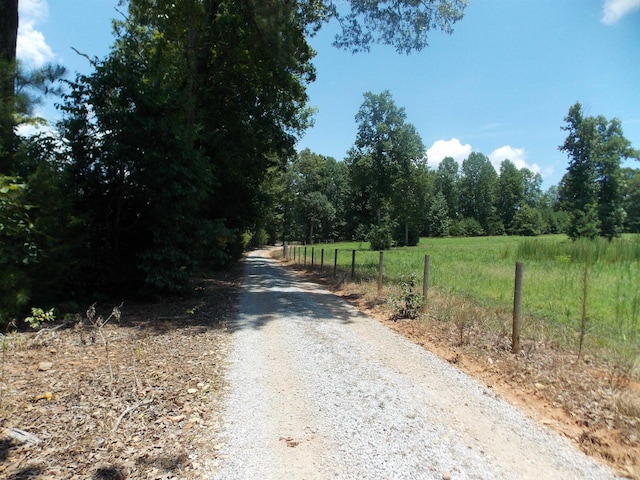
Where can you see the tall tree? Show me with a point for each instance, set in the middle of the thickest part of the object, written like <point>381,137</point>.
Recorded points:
<point>631,199</point>
<point>438,216</point>
<point>509,192</point>
<point>8,40</point>
<point>386,153</point>
<point>532,187</point>
<point>446,181</point>
<point>477,191</point>
<point>590,190</point>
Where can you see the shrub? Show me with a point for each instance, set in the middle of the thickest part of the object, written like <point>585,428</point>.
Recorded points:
<point>380,237</point>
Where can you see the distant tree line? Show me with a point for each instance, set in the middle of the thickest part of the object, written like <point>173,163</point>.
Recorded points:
<point>385,193</point>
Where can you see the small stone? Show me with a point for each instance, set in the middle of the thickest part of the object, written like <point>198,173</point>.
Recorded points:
<point>192,390</point>
<point>43,366</point>
<point>446,476</point>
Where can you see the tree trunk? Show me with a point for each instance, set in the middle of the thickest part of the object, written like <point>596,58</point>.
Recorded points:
<point>8,40</point>
<point>406,231</point>
<point>8,29</point>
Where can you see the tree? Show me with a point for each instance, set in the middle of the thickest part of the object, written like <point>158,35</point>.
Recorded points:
<point>631,199</point>
<point>8,40</point>
<point>477,191</point>
<point>316,184</point>
<point>590,190</point>
<point>403,24</point>
<point>612,148</point>
<point>526,221</point>
<point>438,217</point>
<point>554,218</point>
<point>510,192</point>
<point>532,187</point>
<point>411,188</point>
<point>446,181</point>
<point>382,163</point>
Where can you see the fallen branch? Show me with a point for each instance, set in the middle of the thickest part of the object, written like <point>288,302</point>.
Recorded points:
<point>22,436</point>
<point>129,410</point>
<point>52,329</point>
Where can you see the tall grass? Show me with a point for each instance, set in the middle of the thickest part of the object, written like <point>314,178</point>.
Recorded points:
<point>618,250</point>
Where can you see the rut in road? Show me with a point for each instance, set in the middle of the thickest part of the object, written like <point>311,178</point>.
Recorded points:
<point>319,390</point>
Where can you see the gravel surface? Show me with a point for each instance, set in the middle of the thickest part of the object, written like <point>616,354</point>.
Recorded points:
<point>318,390</point>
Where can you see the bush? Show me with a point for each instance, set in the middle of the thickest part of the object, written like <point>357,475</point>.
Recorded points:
<point>466,227</point>
<point>408,304</point>
<point>380,237</point>
<point>17,249</point>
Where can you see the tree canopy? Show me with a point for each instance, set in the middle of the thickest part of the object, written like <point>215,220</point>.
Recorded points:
<point>591,189</point>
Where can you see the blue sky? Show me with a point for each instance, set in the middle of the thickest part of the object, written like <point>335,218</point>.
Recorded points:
<point>501,84</point>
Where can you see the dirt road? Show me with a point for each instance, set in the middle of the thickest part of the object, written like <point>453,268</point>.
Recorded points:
<point>318,390</point>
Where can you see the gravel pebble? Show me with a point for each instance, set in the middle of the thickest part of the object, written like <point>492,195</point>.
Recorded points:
<point>318,390</point>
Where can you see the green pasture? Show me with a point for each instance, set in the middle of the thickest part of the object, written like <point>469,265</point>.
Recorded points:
<point>482,270</point>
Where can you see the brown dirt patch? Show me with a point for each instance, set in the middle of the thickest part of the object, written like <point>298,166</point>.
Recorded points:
<point>145,406</point>
<point>591,401</point>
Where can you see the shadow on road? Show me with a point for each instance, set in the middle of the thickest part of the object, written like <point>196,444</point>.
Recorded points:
<point>271,292</point>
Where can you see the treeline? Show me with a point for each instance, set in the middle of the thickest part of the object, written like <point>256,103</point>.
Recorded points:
<point>158,166</point>
<point>385,193</point>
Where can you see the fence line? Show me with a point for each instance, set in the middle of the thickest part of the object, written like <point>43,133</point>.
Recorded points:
<point>471,280</point>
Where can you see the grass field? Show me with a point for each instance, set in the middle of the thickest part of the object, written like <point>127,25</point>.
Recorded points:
<point>482,270</point>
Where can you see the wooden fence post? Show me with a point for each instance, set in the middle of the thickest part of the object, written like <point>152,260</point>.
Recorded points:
<point>321,260</point>
<point>380,271</point>
<point>353,265</point>
<point>312,257</point>
<point>335,262</point>
<point>425,282</point>
<point>304,263</point>
<point>517,308</point>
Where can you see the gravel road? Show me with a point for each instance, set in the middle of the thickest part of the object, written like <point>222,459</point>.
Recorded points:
<point>319,390</point>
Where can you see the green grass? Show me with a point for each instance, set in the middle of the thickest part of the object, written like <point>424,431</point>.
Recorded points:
<point>482,270</point>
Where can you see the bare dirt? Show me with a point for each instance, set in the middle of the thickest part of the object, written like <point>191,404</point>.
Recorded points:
<point>141,398</point>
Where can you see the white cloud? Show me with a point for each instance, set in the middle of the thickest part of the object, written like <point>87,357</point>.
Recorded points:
<point>614,10</point>
<point>32,48</point>
<point>447,148</point>
<point>517,155</point>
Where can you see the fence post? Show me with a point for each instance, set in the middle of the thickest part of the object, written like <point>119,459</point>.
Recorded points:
<point>335,262</point>
<point>353,265</point>
<point>313,253</point>
<point>517,308</point>
<point>304,263</point>
<point>380,271</point>
<point>321,260</point>
<point>425,282</point>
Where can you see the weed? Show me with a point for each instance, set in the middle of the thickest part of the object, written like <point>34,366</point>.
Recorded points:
<point>39,316</point>
<point>408,304</point>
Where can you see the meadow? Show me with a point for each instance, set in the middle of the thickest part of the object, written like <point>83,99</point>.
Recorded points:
<point>482,270</point>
